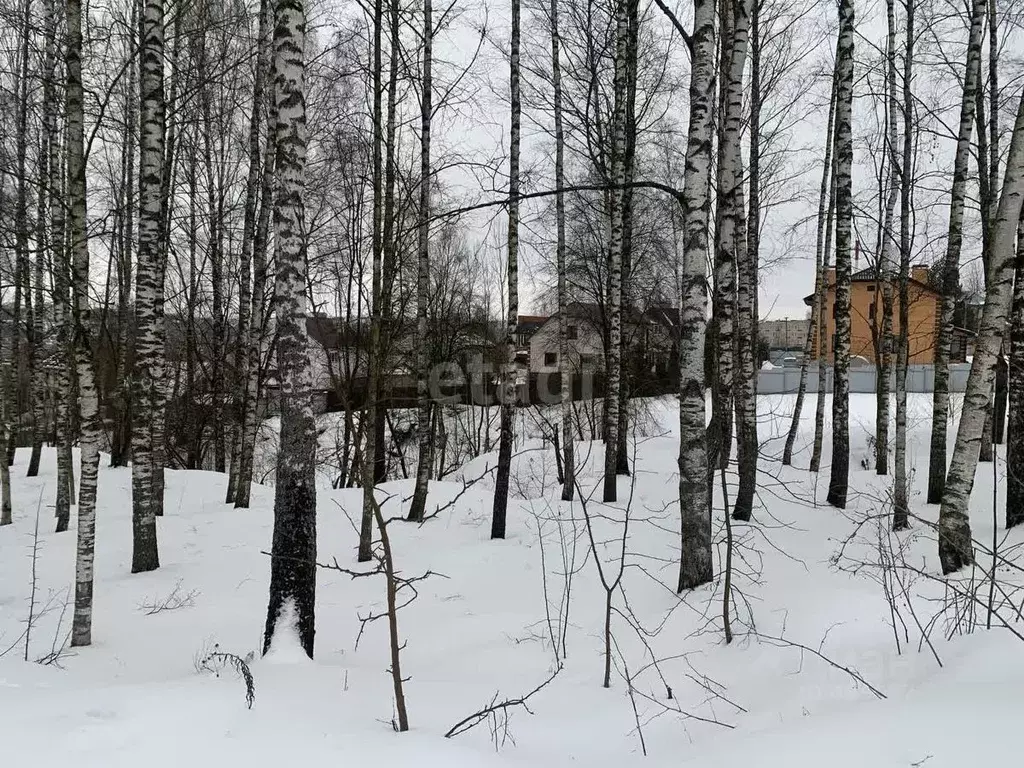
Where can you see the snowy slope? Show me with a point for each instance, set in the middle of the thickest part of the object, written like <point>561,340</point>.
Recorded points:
<point>136,698</point>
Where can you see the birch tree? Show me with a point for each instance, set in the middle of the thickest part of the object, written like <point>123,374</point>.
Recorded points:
<point>245,299</point>
<point>293,552</point>
<point>955,546</point>
<point>951,262</point>
<point>508,372</point>
<point>257,313</point>
<point>59,266</point>
<point>901,506</point>
<point>696,564</point>
<point>22,285</point>
<point>730,230</point>
<point>21,210</point>
<point>1015,431</point>
<point>724,292</point>
<point>564,369</point>
<point>88,403</point>
<point>426,453</point>
<point>149,276</point>
<point>613,303</point>
<point>627,301</point>
<point>372,411</point>
<point>823,340</point>
<point>839,477</point>
<point>746,290</point>
<point>885,268</point>
<point>988,191</point>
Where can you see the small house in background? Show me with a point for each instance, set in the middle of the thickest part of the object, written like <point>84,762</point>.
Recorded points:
<point>649,336</point>
<point>527,326</point>
<point>866,303</point>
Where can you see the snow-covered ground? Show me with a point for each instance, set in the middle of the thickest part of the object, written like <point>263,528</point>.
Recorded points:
<point>483,626</point>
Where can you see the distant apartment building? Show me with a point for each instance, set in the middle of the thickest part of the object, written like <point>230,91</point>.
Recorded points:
<point>787,333</point>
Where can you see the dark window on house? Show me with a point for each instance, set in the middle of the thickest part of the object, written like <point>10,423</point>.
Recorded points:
<point>957,352</point>
<point>550,358</point>
<point>833,311</point>
<point>571,333</point>
<point>871,289</point>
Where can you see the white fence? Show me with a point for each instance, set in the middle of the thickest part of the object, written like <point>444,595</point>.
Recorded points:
<point>920,378</point>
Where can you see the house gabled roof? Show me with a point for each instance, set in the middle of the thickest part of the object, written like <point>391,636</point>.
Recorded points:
<point>867,275</point>
<point>591,313</point>
<point>530,324</point>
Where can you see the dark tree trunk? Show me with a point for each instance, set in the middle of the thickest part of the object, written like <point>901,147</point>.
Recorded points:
<point>1015,441</point>
<point>901,506</point>
<point>840,475</point>
<point>955,543</point>
<point>508,373</point>
<point>951,264</point>
<point>696,561</point>
<point>293,561</point>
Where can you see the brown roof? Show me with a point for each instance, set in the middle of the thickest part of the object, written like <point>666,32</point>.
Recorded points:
<point>868,276</point>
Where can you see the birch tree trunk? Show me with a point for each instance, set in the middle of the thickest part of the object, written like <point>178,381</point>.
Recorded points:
<point>746,296</point>
<point>617,175</point>
<point>22,282</point>
<point>8,355</point>
<point>888,239</point>
<point>252,179</point>
<point>901,505</point>
<point>149,276</point>
<point>36,327</point>
<point>696,562</point>
<point>374,363</point>
<point>426,442</point>
<point>81,630</point>
<point>823,340</point>
<point>508,373</point>
<point>839,477</point>
<point>1015,431</point>
<point>627,370</point>
<point>816,326</point>
<point>724,296</point>
<point>38,330</point>
<point>951,264</point>
<point>998,413</point>
<point>6,374</point>
<point>6,405</point>
<point>293,561</point>
<point>564,369</point>
<point>161,385</point>
<point>731,229</point>
<point>955,547</point>
<point>257,313</point>
<point>59,265</point>
<point>986,205</point>
<point>389,246</point>
<point>120,447</point>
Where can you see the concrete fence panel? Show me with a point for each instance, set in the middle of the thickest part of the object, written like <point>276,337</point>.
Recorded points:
<point>863,379</point>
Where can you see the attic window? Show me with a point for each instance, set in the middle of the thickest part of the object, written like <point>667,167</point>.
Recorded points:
<point>571,332</point>
<point>871,289</point>
<point>550,358</point>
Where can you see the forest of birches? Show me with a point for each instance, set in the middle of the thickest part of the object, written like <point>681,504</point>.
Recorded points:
<point>206,176</point>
